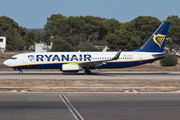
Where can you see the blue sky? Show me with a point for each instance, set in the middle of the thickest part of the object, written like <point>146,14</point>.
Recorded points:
<point>34,13</point>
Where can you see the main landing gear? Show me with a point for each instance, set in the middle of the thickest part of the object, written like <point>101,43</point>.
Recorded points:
<point>87,72</point>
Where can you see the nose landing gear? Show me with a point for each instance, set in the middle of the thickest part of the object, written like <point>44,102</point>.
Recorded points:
<point>20,72</point>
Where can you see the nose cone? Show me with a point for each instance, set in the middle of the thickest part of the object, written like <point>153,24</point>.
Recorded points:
<point>6,63</point>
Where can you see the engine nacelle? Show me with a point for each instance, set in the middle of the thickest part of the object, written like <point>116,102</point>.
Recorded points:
<point>71,67</point>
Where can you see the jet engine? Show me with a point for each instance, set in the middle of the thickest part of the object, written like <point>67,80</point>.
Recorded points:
<point>71,67</point>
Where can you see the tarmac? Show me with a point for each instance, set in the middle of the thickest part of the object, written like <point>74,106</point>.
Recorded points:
<point>21,105</point>
<point>89,106</point>
<point>94,75</point>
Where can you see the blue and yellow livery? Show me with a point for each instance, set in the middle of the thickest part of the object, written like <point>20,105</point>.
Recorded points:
<point>151,51</point>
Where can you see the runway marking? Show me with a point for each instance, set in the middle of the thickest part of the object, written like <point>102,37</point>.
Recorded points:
<point>71,108</point>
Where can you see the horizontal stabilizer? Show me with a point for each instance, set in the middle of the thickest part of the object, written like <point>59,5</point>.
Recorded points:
<point>159,54</point>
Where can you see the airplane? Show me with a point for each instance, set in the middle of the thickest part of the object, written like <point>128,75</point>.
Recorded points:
<point>151,51</point>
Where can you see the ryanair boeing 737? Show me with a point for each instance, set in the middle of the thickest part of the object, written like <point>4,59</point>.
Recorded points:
<point>151,51</point>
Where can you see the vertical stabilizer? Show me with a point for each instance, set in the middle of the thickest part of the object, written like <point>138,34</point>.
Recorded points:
<point>157,41</point>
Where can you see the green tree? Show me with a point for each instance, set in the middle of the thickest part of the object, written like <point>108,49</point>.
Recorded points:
<point>61,45</point>
<point>87,46</point>
<point>9,48</point>
<point>122,39</point>
<point>143,26</point>
<point>112,24</point>
<point>57,25</point>
<point>81,29</point>
<point>38,35</point>
<point>14,39</point>
<point>169,60</point>
<point>76,30</point>
<point>7,23</point>
<point>14,33</point>
<point>73,40</point>
<point>173,41</point>
<point>30,39</point>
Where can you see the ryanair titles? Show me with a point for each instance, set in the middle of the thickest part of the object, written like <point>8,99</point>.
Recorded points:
<point>51,57</point>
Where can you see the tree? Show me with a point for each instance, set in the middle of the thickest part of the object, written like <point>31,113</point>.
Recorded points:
<point>122,39</point>
<point>112,24</point>
<point>38,35</point>
<point>61,45</point>
<point>169,60</point>
<point>14,39</point>
<point>143,26</point>
<point>81,29</point>
<point>73,40</point>
<point>14,33</point>
<point>57,25</point>
<point>9,48</point>
<point>31,39</point>
<point>87,46</point>
<point>173,41</point>
<point>76,30</point>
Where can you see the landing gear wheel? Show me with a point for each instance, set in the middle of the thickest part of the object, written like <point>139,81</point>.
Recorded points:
<point>20,72</point>
<point>87,72</point>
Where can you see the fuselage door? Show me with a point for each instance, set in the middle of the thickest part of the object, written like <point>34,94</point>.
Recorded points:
<point>25,59</point>
<point>140,58</point>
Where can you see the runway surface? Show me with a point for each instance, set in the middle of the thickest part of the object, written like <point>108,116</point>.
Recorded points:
<point>90,106</point>
<point>94,75</point>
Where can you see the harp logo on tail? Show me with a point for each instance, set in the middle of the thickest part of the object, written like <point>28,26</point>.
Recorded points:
<point>159,39</point>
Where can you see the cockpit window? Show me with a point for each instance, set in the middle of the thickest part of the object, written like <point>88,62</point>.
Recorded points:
<point>13,58</point>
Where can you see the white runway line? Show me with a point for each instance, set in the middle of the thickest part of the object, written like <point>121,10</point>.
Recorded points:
<point>71,108</point>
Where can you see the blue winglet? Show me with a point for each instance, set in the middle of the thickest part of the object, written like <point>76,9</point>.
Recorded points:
<point>117,55</point>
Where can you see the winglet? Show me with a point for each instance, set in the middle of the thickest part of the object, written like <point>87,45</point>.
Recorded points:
<point>117,55</point>
<point>104,49</point>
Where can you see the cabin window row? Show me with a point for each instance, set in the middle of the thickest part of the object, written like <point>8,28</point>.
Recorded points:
<point>71,58</point>
<point>125,58</point>
<point>98,58</point>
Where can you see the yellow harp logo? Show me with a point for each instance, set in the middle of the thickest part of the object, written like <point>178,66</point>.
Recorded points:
<point>159,39</point>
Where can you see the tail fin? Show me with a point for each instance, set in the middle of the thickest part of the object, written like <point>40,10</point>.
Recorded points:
<point>157,41</point>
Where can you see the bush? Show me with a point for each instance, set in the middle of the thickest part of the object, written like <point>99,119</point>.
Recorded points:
<point>9,48</point>
<point>169,60</point>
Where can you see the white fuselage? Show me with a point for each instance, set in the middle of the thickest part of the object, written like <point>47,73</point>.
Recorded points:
<point>50,60</point>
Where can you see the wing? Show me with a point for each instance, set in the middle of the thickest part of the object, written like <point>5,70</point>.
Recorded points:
<point>95,63</point>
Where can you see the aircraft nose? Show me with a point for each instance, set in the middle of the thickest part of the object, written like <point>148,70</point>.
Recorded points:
<point>6,62</point>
